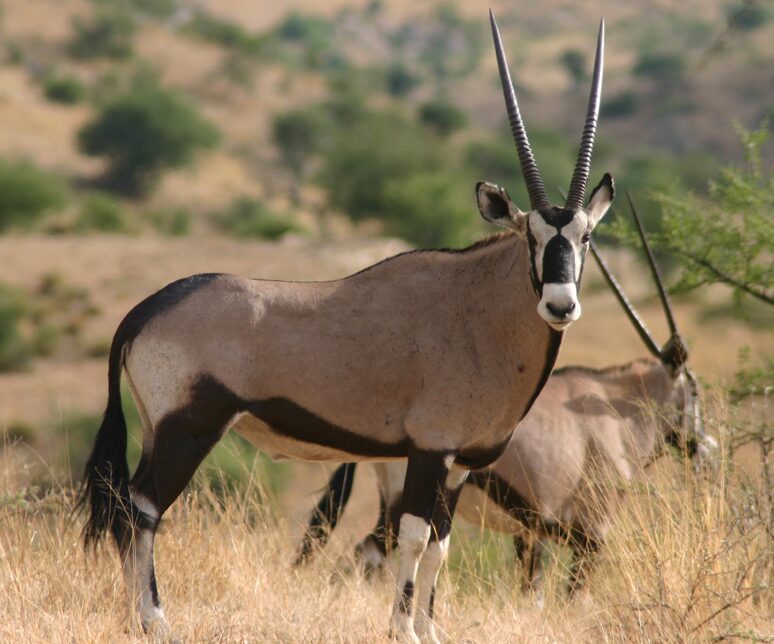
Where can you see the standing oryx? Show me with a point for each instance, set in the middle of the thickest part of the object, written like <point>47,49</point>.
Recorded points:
<point>589,431</point>
<point>430,355</point>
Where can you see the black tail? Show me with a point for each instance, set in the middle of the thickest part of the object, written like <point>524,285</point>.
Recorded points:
<point>105,488</point>
<point>328,511</point>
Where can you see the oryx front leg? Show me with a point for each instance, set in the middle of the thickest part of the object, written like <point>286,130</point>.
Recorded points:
<point>436,551</point>
<point>426,475</point>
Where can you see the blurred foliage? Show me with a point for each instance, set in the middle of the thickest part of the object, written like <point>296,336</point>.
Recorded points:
<point>67,90</point>
<point>430,209</point>
<point>28,193</point>
<point>660,66</point>
<point>143,132</point>
<point>748,16</point>
<point>727,236</point>
<point>108,34</point>
<point>574,62</point>
<point>621,105</point>
<point>400,80</point>
<point>442,117</point>
<point>225,33</point>
<point>15,349</point>
<point>103,213</point>
<point>174,222</point>
<point>300,135</point>
<point>247,217</point>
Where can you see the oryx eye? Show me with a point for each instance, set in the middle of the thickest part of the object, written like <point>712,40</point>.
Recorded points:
<point>586,238</point>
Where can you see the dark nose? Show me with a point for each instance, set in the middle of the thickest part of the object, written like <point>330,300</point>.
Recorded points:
<point>558,312</point>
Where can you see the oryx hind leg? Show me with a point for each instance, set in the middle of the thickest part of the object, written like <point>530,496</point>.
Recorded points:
<point>425,476</point>
<point>174,446</point>
<point>436,552</point>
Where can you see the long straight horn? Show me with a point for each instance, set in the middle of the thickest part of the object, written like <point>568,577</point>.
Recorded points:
<point>631,313</point>
<point>529,169</point>
<point>580,175</point>
<point>654,269</point>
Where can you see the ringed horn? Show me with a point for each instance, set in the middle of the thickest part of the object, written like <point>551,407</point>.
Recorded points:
<point>537,192</point>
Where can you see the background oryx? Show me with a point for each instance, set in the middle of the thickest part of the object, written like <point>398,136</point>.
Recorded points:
<point>430,355</point>
<point>589,431</point>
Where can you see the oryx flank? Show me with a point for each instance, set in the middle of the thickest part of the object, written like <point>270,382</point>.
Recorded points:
<point>589,432</point>
<point>430,355</point>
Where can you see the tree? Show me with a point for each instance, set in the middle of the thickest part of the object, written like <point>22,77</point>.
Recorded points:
<point>299,136</point>
<point>142,133</point>
<point>726,237</point>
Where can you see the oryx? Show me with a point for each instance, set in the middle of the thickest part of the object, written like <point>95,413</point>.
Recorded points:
<point>589,432</point>
<point>430,355</point>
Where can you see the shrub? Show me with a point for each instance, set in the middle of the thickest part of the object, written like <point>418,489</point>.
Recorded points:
<point>620,105</point>
<point>574,62</point>
<point>64,89</point>
<point>399,80</point>
<point>225,33</point>
<point>430,210</point>
<point>103,213</point>
<point>143,132</point>
<point>299,135</point>
<point>747,17</point>
<point>442,117</point>
<point>27,194</point>
<point>377,148</point>
<point>174,223</point>
<point>108,35</point>
<point>664,67</point>
<point>247,217</point>
<point>15,351</point>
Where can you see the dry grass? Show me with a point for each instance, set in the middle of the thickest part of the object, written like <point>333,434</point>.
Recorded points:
<point>689,559</point>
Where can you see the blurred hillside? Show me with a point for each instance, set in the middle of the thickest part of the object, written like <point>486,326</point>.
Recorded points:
<point>301,111</point>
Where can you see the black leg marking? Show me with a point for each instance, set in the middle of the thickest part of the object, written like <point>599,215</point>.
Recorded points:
<point>431,605</point>
<point>406,597</point>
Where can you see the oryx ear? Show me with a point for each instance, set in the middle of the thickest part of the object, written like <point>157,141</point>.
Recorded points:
<point>601,198</point>
<point>497,208</point>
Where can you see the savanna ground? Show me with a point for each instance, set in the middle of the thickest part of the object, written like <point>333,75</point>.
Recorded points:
<point>689,557</point>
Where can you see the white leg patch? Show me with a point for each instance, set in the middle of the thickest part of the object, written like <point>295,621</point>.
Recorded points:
<point>144,505</point>
<point>137,570</point>
<point>427,578</point>
<point>412,540</point>
<point>456,477</point>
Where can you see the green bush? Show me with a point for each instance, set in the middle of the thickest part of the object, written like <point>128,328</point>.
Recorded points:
<point>27,194</point>
<point>442,116</point>
<point>747,17</point>
<point>107,35</point>
<point>174,223</point>
<point>247,217</point>
<point>377,148</point>
<point>399,80</point>
<point>102,213</point>
<point>15,350</point>
<point>64,89</point>
<point>662,67</point>
<point>299,135</point>
<point>143,132</point>
<point>574,62</point>
<point>430,210</point>
<point>157,8</point>
<point>619,106</point>
<point>224,33</point>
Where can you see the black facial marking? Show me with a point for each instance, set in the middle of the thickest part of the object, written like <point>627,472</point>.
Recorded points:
<point>406,598</point>
<point>558,261</point>
<point>533,274</point>
<point>557,217</point>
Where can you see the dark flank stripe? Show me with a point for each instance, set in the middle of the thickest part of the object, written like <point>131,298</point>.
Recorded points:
<point>506,497</point>
<point>406,598</point>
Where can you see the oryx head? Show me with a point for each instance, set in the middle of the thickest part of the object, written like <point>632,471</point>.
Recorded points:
<point>558,236</point>
<point>684,414</point>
